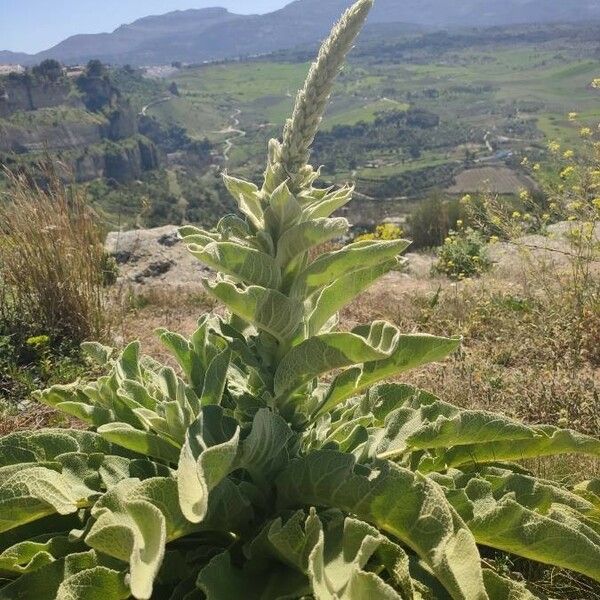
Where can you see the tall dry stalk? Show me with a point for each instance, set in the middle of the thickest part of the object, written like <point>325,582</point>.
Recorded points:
<point>52,261</point>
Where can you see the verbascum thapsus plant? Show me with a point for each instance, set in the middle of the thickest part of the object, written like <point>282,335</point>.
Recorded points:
<point>276,462</point>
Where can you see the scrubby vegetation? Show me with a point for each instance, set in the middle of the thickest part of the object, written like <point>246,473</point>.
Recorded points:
<point>275,461</point>
<point>53,275</point>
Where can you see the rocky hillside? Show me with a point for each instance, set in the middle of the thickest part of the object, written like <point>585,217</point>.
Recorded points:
<point>84,121</point>
<point>215,33</point>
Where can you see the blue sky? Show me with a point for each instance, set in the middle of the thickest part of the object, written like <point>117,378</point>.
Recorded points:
<point>34,25</point>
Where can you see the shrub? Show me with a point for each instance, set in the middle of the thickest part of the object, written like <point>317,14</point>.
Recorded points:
<point>463,254</point>
<point>255,475</point>
<point>432,220</point>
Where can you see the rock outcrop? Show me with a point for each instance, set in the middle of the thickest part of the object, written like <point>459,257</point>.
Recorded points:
<point>23,93</point>
<point>153,258</point>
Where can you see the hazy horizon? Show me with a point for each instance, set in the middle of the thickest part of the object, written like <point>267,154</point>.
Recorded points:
<point>36,25</point>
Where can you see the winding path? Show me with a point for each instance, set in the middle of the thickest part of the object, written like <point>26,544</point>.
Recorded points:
<point>233,129</point>
<point>154,103</point>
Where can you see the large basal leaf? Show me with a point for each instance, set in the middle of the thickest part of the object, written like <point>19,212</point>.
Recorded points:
<point>546,441</point>
<point>409,420</point>
<point>245,265</point>
<point>331,351</point>
<point>500,588</point>
<point>354,257</point>
<point>397,501</point>
<point>410,352</point>
<point>537,520</point>
<point>338,563</point>
<point>208,455</point>
<point>142,442</point>
<point>265,449</point>
<point>133,522</point>
<point>46,444</point>
<point>81,576</point>
<point>28,493</point>
<point>267,309</point>
<point>213,450</point>
<point>31,555</point>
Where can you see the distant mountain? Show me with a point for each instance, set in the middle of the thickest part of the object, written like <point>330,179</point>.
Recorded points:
<point>215,33</point>
<point>13,58</point>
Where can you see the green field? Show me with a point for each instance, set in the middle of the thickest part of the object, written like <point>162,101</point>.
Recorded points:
<point>521,95</point>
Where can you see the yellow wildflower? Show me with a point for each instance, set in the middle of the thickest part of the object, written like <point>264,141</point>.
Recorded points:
<point>567,172</point>
<point>524,195</point>
<point>569,154</point>
<point>536,167</point>
<point>516,214</point>
<point>554,147</point>
<point>573,116</point>
<point>585,132</point>
<point>596,83</point>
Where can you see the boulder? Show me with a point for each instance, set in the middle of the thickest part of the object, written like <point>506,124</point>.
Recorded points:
<point>155,258</point>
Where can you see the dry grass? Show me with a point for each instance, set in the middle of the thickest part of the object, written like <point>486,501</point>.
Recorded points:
<point>52,261</point>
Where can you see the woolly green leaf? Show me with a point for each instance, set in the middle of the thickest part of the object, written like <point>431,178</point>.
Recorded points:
<point>500,588</point>
<point>354,257</point>
<point>283,211</point>
<point>421,421</point>
<point>128,364</point>
<point>590,490</point>
<point>551,532</point>
<point>29,493</point>
<point>546,441</point>
<point>216,378</point>
<point>181,349</point>
<point>31,555</point>
<point>46,444</point>
<point>133,522</point>
<point>337,564</point>
<point>142,442</point>
<point>330,351</point>
<point>208,455</point>
<point>267,309</point>
<point>99,353</point>
<point>76,577</point>
<point>248,198</point>
<point>397,501</point>
<point>264,451</point>
<point>410,352</point>
<point>97,583</point>
<point>326,205</point>
<point>244,264</point>
<point>302,237</point>
<point>342,291</point>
